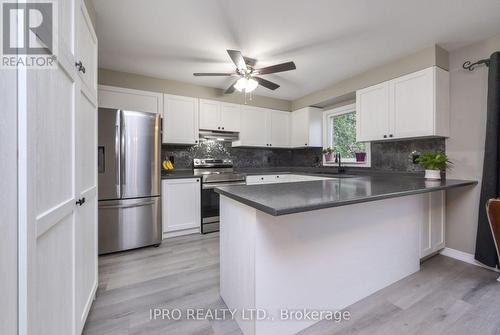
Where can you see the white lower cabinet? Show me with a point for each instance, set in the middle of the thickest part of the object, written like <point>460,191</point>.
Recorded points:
<point>181,211</point>
<point>432,233</point>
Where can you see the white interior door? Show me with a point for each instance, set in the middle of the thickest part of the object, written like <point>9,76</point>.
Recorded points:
<point>50,245</point>
<point>86,218</point>
<point>86,50</point>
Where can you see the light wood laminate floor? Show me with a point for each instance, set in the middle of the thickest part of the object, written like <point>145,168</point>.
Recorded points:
<point>446,297</point>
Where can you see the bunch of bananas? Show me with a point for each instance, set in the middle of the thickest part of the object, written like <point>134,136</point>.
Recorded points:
<point>167,165</point>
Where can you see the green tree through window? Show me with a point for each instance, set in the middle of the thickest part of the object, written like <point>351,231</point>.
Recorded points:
<point>344,135</point>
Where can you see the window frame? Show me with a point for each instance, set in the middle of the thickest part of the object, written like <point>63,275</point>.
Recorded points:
<point>328,134</point>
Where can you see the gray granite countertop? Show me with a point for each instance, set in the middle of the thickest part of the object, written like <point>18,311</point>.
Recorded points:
<point>320,171</point>
<point>175,174</point>
<point>287,198</point>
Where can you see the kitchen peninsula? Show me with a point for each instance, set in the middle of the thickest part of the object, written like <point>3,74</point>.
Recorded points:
<point>325,244</point>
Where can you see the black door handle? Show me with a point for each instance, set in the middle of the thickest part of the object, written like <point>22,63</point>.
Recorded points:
<point>81,201</point>
<point>80,67</point>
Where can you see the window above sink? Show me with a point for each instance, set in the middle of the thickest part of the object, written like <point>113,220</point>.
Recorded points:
<point>340,135</point>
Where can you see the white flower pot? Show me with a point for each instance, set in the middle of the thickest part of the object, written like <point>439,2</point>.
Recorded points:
<point>433,174</point>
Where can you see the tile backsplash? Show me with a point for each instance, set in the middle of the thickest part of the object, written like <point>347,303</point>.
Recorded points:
<point>388,156</point>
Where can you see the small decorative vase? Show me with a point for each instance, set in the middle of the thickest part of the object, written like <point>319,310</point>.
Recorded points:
<point>328,157</point>
<point>433,174</point>
<point>360,156</point>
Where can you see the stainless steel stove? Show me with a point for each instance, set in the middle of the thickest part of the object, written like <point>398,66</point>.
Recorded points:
<point>214,173</point>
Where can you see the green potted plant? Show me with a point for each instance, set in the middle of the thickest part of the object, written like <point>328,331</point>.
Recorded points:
<point>433,163</point>
<point>327,152</point>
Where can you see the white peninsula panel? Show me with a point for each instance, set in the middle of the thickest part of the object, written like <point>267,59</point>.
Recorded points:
<point>317,260</point>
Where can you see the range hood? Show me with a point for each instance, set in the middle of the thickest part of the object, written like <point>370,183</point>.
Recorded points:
<point>222,136</point>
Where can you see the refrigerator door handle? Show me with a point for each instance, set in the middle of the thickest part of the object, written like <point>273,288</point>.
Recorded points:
<point>139,204</point>
<point>117,154</point>
<point>122,153</point>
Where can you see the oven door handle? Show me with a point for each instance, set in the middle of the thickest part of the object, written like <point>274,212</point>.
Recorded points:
<point>209,186</point>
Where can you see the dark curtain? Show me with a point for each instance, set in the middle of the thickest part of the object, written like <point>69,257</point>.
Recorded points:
<point>490,188</point>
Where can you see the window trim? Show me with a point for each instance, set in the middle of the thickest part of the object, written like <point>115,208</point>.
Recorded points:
<point>327,133</point>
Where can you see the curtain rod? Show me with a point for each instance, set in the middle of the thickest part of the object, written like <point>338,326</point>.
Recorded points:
<point>471,66</point>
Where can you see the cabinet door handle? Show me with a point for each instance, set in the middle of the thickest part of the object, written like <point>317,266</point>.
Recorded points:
<point>218,127</point>
<point>305,144</point>
<point>385,136</point>
<point>81,201</point>
<point>222,128</point>
<point>390,135</point>
<point>80,67</point>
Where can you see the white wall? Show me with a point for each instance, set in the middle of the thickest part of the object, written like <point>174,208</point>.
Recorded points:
<point>465,146</point>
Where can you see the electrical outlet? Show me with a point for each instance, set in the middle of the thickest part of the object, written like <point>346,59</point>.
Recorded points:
<point>414,156</point>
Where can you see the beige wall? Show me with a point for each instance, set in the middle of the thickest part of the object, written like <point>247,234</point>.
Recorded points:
<point>8,202</point>
<point>420,60</point>
<point>91,10</point>
<point>139,82</point>
<point>465,146</point>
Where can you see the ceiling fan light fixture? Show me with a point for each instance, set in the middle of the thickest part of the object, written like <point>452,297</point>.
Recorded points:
<point>241,84</point>
<point>247,85</point>
<point>251,85</point>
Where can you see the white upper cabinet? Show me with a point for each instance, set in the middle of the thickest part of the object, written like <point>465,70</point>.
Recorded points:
<point>230,117</point>
<point>253,132</point>
<point>209,115</point>
<point>415,105</point>
<point>215,115</point>
<point>262,127</point>
<point>278,129</point>
<point>372,112</point>
<point>307,127</point>
<point>180,120</point>
<point>128,99</point>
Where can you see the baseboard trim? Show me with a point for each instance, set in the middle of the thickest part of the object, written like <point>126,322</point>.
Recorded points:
<point>465,257</point>
<point>181,233</point>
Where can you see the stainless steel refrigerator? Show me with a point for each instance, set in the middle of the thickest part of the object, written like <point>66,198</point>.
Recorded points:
<point>129,148</point>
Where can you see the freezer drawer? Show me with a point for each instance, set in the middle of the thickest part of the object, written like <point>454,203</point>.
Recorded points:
<point>128,224</point>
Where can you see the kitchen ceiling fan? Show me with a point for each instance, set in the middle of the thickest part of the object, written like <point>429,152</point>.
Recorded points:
<point>245,70</point>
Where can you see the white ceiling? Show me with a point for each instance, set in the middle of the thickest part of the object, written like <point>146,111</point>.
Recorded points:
<point>329,40</point>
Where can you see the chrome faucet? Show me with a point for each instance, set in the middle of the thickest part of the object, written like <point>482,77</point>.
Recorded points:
<point>338,159</point>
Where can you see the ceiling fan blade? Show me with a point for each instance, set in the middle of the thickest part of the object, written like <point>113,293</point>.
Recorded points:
<point>266,83</point>
<point>276,68</point>
<point>231,88</point>
<point>250,61</point>
<point>237,59</point>
<point>215,74</point>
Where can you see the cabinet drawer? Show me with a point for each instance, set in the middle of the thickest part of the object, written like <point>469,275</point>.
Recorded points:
<point>262,179</point>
